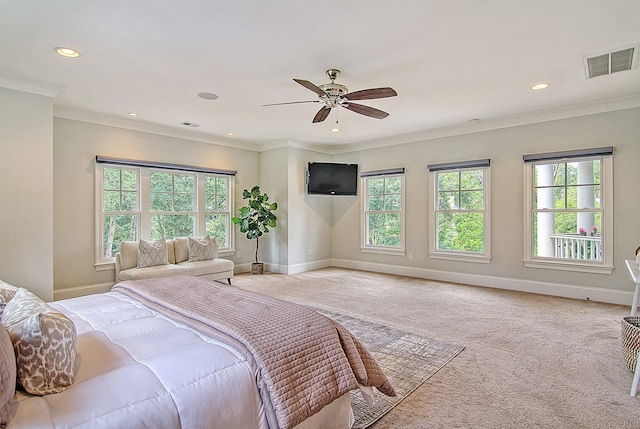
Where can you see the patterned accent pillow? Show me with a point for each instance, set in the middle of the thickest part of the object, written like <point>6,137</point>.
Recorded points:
<point>7,377</point>
<point>200,249</point>
<point>44,341</point>
<point>152,253</point>
<point>6,293</point>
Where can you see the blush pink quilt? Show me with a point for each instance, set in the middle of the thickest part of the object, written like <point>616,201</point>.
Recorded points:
<point>303,360</point>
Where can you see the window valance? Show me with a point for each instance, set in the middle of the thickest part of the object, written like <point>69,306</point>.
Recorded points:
<point>163,165</point>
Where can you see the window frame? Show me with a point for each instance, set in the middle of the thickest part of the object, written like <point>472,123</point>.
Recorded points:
<point>483,257</point>
<point>604,266</point>
<point>369,248</point>
<point>174,194</point>
<point>144,207</point>
<point>230,213</point>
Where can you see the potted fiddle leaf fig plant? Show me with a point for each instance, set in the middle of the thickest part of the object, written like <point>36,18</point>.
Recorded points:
<point>255,219</point>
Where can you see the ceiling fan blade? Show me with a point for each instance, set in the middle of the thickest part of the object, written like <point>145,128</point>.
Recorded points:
<point>310,86</point>
<point>291,102</point>
<point>322,114</point>
<point>368,94</point>
<point>365,110</point>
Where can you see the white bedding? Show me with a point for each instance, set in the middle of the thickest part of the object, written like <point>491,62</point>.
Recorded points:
<point>140,369</point>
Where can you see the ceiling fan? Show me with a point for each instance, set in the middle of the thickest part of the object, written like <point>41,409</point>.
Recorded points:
<point>334,94</point>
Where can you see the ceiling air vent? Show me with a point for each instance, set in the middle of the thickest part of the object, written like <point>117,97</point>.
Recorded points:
<point>611,62</point>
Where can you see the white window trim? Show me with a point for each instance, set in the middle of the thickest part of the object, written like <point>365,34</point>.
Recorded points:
<point>606,191</point>
<point>483,257</point>
<point>201,220</point>
<point>383,250</point>
<point>144,201</point>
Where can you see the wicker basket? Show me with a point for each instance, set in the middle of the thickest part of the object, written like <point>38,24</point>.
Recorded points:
<point>630,340</point>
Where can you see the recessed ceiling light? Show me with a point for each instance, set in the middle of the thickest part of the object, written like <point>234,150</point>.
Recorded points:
<point>539,86</point>
<point>133,113</point>
<point>67,52</point>
<point>335,130</point>
<point>208,96</point>
<point>230,134</point>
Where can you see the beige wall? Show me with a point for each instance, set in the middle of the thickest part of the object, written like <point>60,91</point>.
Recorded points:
<point>310,216</point>
<point>302,240</point>
<point>26,191</point>
<point>273,182</point>
<point>75,146</point>
<point>505,148</point>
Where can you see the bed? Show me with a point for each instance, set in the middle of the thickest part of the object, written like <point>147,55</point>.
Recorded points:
<point>182,352</point>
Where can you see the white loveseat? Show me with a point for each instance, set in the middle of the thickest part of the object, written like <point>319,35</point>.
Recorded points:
<point>178,263</point>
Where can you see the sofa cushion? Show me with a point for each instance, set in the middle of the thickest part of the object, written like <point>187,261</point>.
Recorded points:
<point>128,254</point>
<point>152,272</point>
<point>181,249</point>
<point>44,341</point>
<point>152,253</point>
<point>200,249</point>
<point>171,254</point>
<point>212,266</point>
<point>7,377</point>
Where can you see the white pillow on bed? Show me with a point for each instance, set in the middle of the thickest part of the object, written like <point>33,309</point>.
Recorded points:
<point>7,377</point>
<point>200,249</point>
<point>152,253</point>
<point>44,341</point>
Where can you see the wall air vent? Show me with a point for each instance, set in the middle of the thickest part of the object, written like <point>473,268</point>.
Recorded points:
<point>611,62</point>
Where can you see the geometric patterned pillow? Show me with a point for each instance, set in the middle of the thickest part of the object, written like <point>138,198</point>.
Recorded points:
<point>200,249</point>
<point>6,293</point>
<point>7,377</point>
<point>44,341</point>
<point>152,253</point>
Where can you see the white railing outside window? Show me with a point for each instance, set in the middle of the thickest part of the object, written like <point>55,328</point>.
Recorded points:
<point>574,246</point>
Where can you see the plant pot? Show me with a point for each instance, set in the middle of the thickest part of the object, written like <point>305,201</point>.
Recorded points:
<point>257,268</point>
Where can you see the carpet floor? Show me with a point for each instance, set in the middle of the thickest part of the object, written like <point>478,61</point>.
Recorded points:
<point>530,361</point>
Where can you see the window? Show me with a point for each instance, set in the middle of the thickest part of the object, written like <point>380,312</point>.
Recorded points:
<point>217,209</point>
<point>172,205</point>
<point>120,209</point>
<point>144,202</point>
<point>459,226</point>
<point>568,207</point>
<point>383,213</point>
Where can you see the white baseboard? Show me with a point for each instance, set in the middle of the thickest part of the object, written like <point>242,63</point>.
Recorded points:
<point>611,296</point>
<point>308,266</point>
<point>74,292</point>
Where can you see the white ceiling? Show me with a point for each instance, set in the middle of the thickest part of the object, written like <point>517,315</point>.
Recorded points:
<point>450,61</point>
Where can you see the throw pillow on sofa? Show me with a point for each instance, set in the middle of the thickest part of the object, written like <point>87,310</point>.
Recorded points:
<point>152,253</point>
<point>200,249</point>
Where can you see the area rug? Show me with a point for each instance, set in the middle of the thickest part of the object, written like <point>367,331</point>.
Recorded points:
<point>407,359</point>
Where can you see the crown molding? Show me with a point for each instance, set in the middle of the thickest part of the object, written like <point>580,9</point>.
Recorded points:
<point>23,84</point>
<point>548,115</point>
<point>146,127</point>
<point>624,103</point>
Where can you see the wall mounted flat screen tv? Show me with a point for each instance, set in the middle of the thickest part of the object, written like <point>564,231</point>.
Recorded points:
<point>325,178</point>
